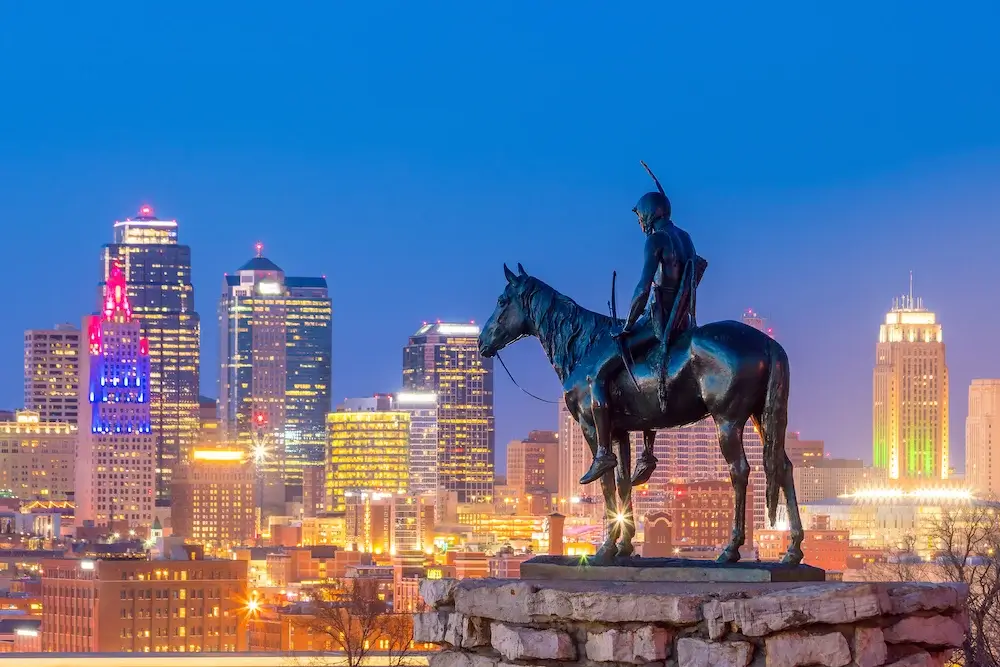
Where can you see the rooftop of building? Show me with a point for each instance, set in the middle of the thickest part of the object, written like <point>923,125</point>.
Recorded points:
<point>260,264</point>
<point>448,329</point>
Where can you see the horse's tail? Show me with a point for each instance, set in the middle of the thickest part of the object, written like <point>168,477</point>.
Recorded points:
<point>773,422</point>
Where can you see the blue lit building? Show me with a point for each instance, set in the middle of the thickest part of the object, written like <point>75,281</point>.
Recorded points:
<point>115,478</point>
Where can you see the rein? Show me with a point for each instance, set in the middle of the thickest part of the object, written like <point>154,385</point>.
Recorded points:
<point>537,398</point>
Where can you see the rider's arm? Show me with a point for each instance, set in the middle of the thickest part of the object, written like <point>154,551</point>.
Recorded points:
<point>641,296</point>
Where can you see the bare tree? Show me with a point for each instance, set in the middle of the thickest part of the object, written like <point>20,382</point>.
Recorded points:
<point>356,623</point>
<point>965,543</point>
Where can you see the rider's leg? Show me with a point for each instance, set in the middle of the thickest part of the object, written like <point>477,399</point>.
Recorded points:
<point>604,459</point>
<point>646,464</point>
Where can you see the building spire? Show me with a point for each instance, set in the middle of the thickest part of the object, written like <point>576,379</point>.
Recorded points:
<point>259,247</point>
<point>116,305</point>
<point>911,288</point>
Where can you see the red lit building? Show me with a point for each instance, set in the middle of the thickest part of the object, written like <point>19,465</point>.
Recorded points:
<point>117,451</point>
<point>135,605</point>
<point>825,549</point>
<point>702,514</point>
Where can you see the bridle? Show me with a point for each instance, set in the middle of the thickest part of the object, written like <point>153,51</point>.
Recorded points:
<point>537,398</point>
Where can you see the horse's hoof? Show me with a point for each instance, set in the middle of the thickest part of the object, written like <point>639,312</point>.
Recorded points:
<point>792,558</point>
<point>729,556</point>
<point>626,551</point>
<point>601,465</point>
<point>606,554</point>
<point>644,470</point>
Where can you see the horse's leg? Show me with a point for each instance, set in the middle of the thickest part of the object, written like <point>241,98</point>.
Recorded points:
<point>646,464</point>
<point>794,554</point>
<point>731,443</point>
<point>626,514</point>
<point>604,459</point>
<point>607,551</point>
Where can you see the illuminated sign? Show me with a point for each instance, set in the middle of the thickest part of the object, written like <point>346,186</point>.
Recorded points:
<point>26,632</point>
<point>217,455</point>
<point>416,398</point>
<point>269,288</point>
<point>458,329</point>
<point>86,565</point>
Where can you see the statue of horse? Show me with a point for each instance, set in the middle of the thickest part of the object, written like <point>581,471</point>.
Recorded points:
<point>726,370</point>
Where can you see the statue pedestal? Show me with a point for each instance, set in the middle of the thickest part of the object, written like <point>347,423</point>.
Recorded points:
<point>507,622</point>
<point>566,568</point>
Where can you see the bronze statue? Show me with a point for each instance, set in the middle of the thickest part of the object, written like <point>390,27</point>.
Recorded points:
<point>683,373</point>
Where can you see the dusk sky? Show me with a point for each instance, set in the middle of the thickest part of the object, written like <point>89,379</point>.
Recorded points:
<point>815,153</point>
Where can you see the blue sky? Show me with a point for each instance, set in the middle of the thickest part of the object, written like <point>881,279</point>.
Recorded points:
<point>816,154</point>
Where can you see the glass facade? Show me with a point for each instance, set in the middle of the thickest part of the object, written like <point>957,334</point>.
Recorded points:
<point>158,272</point>
<point>444,358</point>
<point>423,410</point>
<point>276,366</point>
<point>368,452</point>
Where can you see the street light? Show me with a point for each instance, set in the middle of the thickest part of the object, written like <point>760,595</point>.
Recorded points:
<point>252,610</point>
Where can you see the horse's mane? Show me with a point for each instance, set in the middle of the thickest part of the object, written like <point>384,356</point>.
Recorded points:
<point>566,330</point>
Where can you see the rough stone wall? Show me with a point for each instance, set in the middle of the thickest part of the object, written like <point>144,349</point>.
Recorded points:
<point>506,623</point>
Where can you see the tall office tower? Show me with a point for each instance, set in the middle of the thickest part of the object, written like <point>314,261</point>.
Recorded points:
<point>533,464</point>
<point>423,410</point>
<point>52,372</point>
<point>115,479</point>
<point>574,460</point>
<point>692,454</point>
<point>158,271</point>
<point>444,358</point>
<point>982,469</point>
<point>910,407</point>
<point>369,450</point>
<point>274,383</point>
<point>37,458</point>
<point>759,322</point>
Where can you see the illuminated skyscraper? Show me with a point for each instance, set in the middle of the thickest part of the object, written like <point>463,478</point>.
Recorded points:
<point>444,358</point>
<point>115,467</point>
<point>910,415</point>
<point>533,464</point>
<point>423,409</point>
<point>575,458</point>
<point>368,450</point>
<point>275,367</point>
<point>982,469</point>
<point>37,458</point>
<point>52,372</point>
<point>158,272</point>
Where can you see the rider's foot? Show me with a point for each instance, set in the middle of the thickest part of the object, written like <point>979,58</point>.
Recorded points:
<point>644,468</point>
<point>602,464</point>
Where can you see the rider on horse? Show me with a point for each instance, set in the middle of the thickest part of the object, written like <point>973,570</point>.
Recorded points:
<point>670,274</point>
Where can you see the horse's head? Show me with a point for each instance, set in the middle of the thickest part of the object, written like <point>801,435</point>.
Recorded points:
<point>509,322</point>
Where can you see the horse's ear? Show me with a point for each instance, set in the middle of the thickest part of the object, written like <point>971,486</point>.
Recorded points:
<point>509,274</point>
<point>520,270</point>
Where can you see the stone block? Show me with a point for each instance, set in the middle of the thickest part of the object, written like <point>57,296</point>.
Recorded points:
<point>456,659</point>
<point>904,599</point>
<point>438,592</point>
<point>692,652</point>
<point>467,631</point>
<point>921,659</point>
<point>430,626</point>
<point>796,649</point>
<point>869,647</point>
<point>520,643</point>
<point>639,646</point>
<point>928,631</point>
<point>796,607</point>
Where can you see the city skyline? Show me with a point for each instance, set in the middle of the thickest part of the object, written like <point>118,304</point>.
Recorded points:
<point>796,200</point>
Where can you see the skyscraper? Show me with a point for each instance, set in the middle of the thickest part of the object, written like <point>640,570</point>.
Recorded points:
<point>753,319</point>
<point>116,453</point>
<point>533,464</point>
<point>910,407</point>
<point>423,410</point>
<point>52,372</point>
<point>444,358</point>
<point>158,272</point>
<point>574,459</point>
<point>982,424</point>
<point>368,450</point>
<point>37,458</point>
<point>275,368</point>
